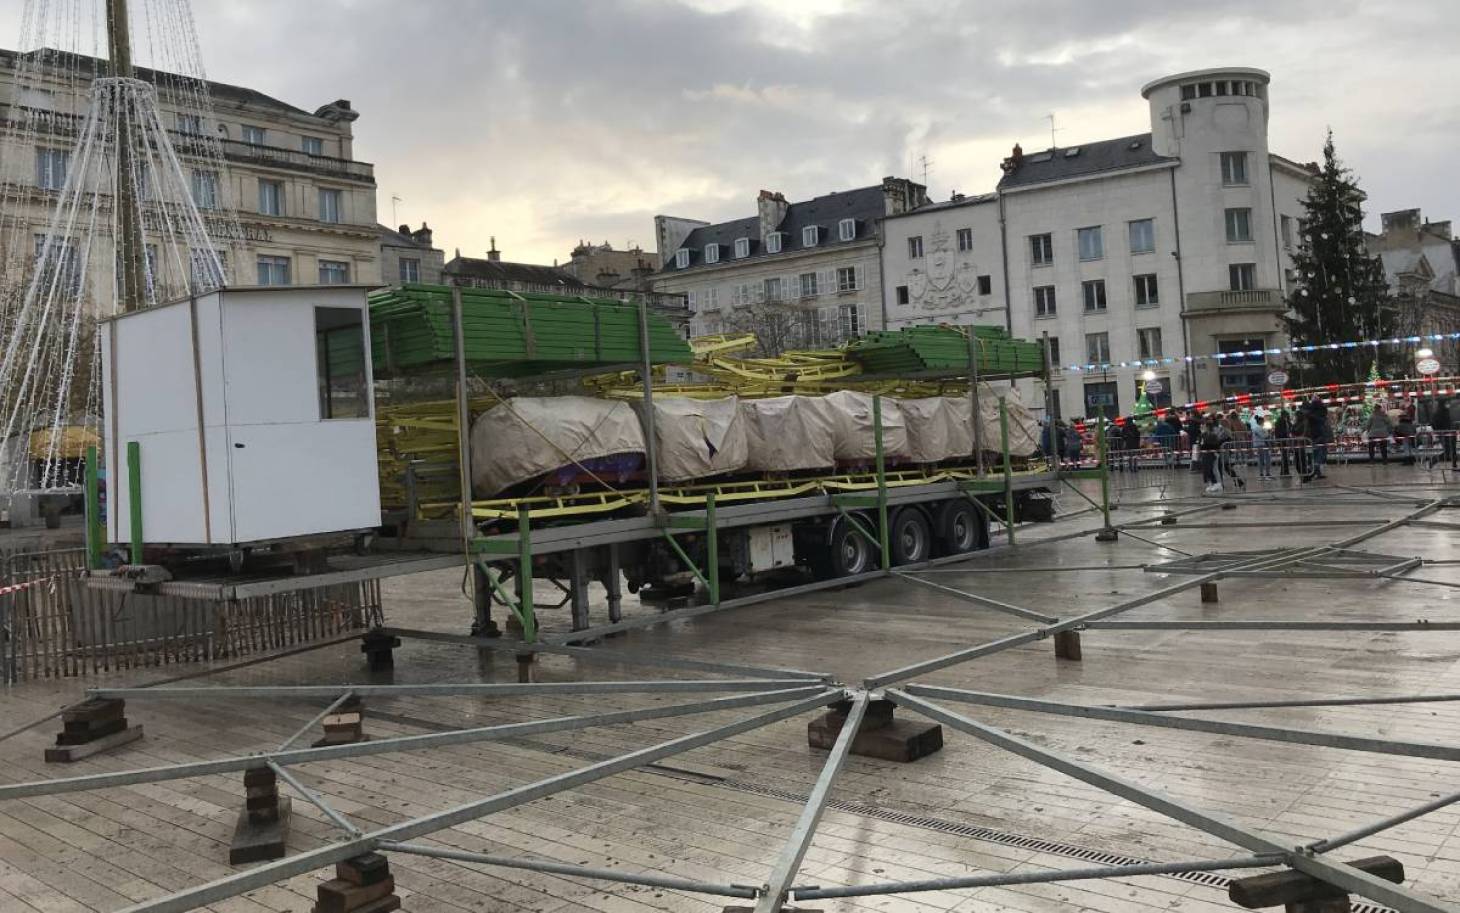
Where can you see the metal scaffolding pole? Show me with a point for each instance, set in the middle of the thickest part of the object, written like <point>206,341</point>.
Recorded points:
<point>308,861</point>
<point>977,599</point>
<point>1218,727</point>
<point>773,893</point>
<point>485,689</point>
<point>315,799</point>
<point>400,743</point>
<point>1218,624</point>
<point>1384,824</point>
<point>1346,877</point>
<point>299,733</point>
<point>1311,702</point>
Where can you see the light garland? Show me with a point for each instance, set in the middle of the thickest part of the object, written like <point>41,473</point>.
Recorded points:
<point>1224,356</point>
<point>1422,387</point>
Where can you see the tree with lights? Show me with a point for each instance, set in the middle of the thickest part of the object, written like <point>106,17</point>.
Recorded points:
<point>1340,292</point>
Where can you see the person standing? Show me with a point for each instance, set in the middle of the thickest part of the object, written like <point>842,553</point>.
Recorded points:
<point>1320,433</point>
<point>1130,438</point>
<point>1173,421</point>
<point>1444,424</point>
<point>1262,443</point>
<point>1073,445</point>
<point>1210,446</point>
<point>1404,435</point>
<point>1283,431</point>
<point>1378,430</point>
<point>1166,438</point>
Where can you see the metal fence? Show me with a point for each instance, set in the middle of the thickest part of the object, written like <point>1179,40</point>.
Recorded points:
<point>52,625</point>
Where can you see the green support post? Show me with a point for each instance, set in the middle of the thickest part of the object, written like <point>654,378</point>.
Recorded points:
<point>1102,450</point>
<point>712,550</point>
<point>95,532</point>
<point>134,497</point>
<point>1008,468</point>
<point>883,532</point>
<point>528,615</point>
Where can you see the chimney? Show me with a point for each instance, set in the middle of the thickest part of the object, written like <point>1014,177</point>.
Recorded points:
<point>771,208</point>
<point>405,230</point>
<point>422,235</point>
<point>1401,220</point>
<point>494,255</point>
<point>607,276</point>
<point>1015,159</point>
<point>902,195</point>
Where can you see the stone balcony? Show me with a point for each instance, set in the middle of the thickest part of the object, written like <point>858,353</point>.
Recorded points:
<point>1259,299</point>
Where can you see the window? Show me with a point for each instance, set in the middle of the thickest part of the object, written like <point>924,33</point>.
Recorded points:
<point>63,264</point>
<point>772,288</point>
<point>1142,236</point>
<point>339,346</point>
<point>1044,301</point>
<point>712,298</point>
<point>740,296</point>
<point>1148,342</point>
<point>1242,277</point>
<point>205,189</point>
<point>274,271</point>
<point>1204,90</point>
<point>846,229</point>
<point>1092,243</point>
<point>1234,168</point>
<point>207,270</point>
<point>712,253</point>
<point>965,239</point>
<point>846,279</point>
<point>1041,250</point>
<point>849,321</point>
<point>773,242</point>
<point>1239,225</point>
<point>271,198</point>
<point>51,166</point>
<point>254,136</point>
<point>1246,370</point>
<point>1286,223</point>
<point>190,124</point>
<point>1188,92</point>
<point>1054,353</point>
<point>915,247</point>
<point>410,269</point>
<point>1146,291</point>
<point>742,248</point>
<point>1102,399</point>
<point>329,204</point>
<point>985,285</point>
<point>334,272</point>
<point>311,145</point>
<point>692,301</point>
<point>1094,292</point>
<point>808,285</point>
<point>681,258</point>
<point>902,294</point>
<point>1097,348</point>
<point>810,235</point>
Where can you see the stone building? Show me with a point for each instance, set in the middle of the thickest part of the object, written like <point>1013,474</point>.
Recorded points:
<point>408,255</point>
<point>796,274</point>
<point>305,206</point>
<point>1165,244</point>
<point>1422,265</point>
<point>602,265</point>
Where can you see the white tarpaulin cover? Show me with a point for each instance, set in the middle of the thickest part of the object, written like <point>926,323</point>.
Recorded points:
<point>698,437</point>
<point>526,436</point>
<point>853,435</point>
<point>1023,426</point>
<point>938,428</point>
<point>788,432</point>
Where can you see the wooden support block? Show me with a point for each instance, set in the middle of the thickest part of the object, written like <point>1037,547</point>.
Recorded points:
<point>525,662</point>
<point>259,776</point>
<point>258,841</point>
<point>81,733</point>
<point>64,754</point>
<point>353,718</point>
<point>94,710</point>
<point>1209,592</point>
<point>1109,534</point>
<point>383,905</point>
<point>341,896</point>
<point>1291,888</point>
<point>783,910</point>
<point>1067,645</point>
<point>367,868</point>
<point>895,740</point>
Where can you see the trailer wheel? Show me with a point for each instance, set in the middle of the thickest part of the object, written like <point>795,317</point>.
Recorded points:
<point>911,536</point>
<point>961,528</point>
<point>847,552</point>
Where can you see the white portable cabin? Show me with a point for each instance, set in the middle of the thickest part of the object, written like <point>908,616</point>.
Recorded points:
<point>253,410</point>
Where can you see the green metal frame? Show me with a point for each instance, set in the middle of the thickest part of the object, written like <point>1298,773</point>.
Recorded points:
<point>883,540</point>
<point>134,497</point>
<point>1008,468</point>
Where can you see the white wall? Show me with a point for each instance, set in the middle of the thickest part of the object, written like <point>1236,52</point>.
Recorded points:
<point>942,285</point>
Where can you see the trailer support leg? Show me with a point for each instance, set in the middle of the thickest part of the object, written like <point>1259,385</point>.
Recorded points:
<point>1067,645</point>
<point>578,590</point>
<point>481,594</point>
<point>613,583</point>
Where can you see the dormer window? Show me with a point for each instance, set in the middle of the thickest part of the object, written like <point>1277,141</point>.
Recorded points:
<point>681,258</point>
<point>712,253</point>
<point>742,248</point>
<point>810,236</point>
<point>846,229</point>
<point>773,242</point>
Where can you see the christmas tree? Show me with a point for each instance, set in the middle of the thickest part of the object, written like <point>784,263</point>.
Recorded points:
<point>1339,293</point>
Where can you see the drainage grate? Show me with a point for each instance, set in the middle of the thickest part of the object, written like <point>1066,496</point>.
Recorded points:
<point>974,832</point>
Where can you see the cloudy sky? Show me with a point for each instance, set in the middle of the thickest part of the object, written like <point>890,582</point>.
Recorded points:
<point>545,121</point>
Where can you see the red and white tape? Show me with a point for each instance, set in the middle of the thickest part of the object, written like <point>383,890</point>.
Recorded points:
<point>17,587</point>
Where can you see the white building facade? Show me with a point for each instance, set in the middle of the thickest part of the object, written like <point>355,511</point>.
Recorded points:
<point>796,274</point>
<point>1163,245</point>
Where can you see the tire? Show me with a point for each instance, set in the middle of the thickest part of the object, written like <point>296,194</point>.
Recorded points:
<point>911,537</point>
<point>961,528</point>
<point>846,552</point>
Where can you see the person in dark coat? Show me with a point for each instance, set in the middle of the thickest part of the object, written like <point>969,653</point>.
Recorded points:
<point>1320,433</point>
<point>1443,421</point>
<point>1130,439</point>
<point>1173,421</point>
<point>1282,430</point>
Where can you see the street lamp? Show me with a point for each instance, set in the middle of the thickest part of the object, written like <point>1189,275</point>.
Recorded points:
<point>1421,354</point>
